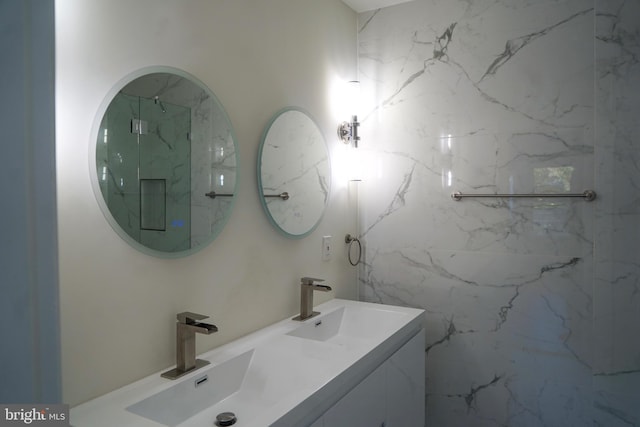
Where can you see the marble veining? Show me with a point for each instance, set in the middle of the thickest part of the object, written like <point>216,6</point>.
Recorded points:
<point>514,45</point>
<point>531,304</point>
<point>617,270</point>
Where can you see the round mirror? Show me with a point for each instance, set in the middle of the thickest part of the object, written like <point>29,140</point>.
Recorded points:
<point>294,175</point>
<point>164,162</point>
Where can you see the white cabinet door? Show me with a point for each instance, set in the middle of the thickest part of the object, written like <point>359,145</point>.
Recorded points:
<point>364,406</point>
<point>391,396</point>
<point>405,385</point>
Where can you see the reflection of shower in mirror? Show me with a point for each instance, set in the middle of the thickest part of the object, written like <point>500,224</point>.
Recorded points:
<point>163,143</point>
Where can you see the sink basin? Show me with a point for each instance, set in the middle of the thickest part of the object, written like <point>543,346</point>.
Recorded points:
<point>350,322</point>
<point>320,328</point>
<point>194,393</point>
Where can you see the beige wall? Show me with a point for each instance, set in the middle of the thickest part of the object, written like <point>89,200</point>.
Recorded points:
<point>118,305</point>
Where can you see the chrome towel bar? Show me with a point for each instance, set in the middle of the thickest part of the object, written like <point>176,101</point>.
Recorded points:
<point>284,195</point>
<point>213,194</point>
<point>587,195</point>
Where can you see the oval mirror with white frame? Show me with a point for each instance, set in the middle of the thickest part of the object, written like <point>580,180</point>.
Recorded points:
<point>294,174</point>
<point>163,162</point>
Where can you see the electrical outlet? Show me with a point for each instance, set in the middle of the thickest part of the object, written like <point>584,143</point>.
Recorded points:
<point>326,248</point>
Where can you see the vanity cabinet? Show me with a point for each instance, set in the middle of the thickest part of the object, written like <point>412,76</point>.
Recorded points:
<point>406,384</point>
<point>358,364</point>
<point>391,396</point>
<point>364,406</point>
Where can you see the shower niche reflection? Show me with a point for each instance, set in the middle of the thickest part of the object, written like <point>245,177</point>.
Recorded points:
<point>165,163</point>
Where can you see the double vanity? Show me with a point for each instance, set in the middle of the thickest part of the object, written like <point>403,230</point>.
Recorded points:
<point>165,172</point>
<point>354,364</point>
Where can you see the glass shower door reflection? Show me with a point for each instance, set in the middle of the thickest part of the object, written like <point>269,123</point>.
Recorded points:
<point>143,161</point>
<point>165,155</point>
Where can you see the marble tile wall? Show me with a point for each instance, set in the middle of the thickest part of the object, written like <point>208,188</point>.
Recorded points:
<point>523,296</point>
<point>617,232</point>
<point>165,153</point>
<point>213,167</point>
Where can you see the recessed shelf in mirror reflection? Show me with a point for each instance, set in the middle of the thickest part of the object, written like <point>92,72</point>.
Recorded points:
<point>162,125</point>
<point>294,174</point>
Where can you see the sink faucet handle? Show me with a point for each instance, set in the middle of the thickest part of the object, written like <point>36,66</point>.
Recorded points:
<point>310,280</point>
<point>189,317</point>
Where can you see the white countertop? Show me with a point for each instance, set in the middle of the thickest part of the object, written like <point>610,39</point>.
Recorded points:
<point>290,380</point>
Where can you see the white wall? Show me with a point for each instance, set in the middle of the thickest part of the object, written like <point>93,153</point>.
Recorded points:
<point>118,305</point>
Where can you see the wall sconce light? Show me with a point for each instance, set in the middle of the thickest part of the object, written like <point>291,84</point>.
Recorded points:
<point>348,131</point>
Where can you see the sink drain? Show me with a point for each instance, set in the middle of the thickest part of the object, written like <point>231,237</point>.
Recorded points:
<point>226,419</point>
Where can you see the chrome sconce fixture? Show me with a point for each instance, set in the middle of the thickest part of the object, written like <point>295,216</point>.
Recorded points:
<point>348,131</point>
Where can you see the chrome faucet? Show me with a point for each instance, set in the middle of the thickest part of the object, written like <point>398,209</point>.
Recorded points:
<point>186,328</point>
<point>306,297</point>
